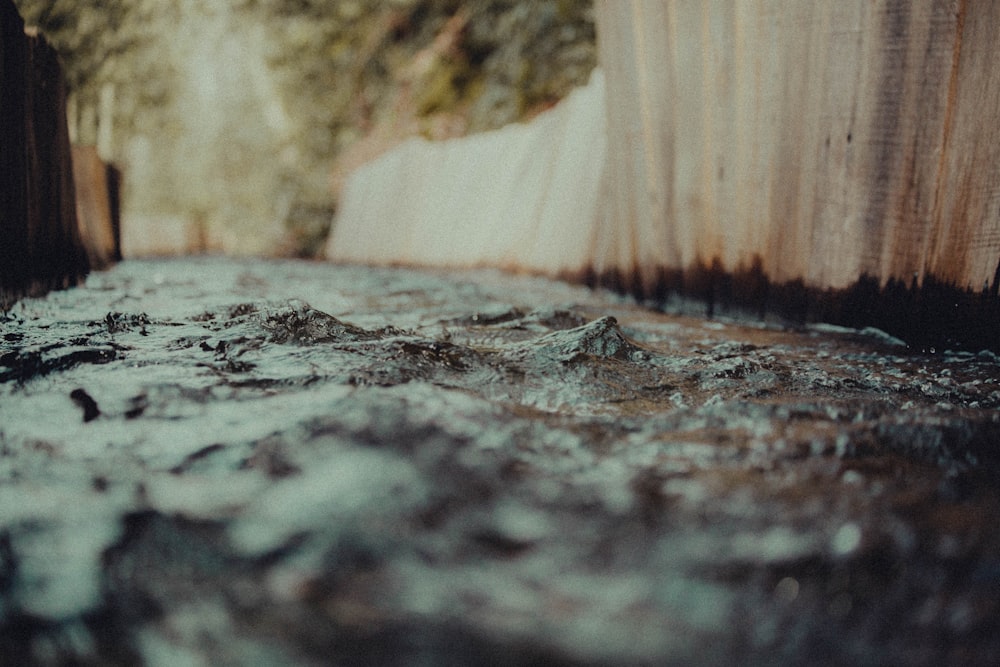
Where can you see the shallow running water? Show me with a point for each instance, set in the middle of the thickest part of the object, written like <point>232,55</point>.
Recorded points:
<point>208,461</point>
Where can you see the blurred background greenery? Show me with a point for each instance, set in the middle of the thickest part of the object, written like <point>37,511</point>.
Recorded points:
<point>235,122</point>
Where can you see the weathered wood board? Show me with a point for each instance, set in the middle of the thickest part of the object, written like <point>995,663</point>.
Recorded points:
<point>834,161</point>
<point>518,197</point>
<point>824,141</point>
<point>97,186</point>
<point>40,243</point>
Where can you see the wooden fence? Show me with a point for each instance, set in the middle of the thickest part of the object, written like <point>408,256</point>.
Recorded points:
<point>52,230</point>
<point>834,161</point>
<point>798,160</point>
<point>40,244</point>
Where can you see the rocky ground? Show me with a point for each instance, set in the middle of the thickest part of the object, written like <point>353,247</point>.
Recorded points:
<point>212,462</point>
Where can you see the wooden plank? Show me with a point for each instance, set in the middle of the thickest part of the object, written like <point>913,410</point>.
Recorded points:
<point>14,268</point>
<point>834,161</point>
<point>41,244</point>
<point>520,197</point>
<point>824,140</point>
<point>96,186</point>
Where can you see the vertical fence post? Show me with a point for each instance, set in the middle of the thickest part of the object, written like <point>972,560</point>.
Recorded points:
<point>40,243</point>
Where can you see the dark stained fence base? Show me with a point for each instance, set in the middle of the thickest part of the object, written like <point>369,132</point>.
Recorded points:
<point>930,317</point>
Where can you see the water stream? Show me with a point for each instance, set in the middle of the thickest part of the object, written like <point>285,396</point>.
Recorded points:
<point>208,461</point>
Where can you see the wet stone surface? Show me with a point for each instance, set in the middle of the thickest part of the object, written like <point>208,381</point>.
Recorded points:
<point>220,462</point>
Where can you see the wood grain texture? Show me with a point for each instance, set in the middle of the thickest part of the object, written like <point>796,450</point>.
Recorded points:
<point>96,184</point>
<point>804,161</point>
<point>40,244</point>
<point>821,142</point>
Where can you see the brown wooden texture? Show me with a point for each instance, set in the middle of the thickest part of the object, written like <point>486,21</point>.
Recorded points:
<point>96,185</point>
<point>40,244</point>
<point>814,142</point>
<point>804,161</point>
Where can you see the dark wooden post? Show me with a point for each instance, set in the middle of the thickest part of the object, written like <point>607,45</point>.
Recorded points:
<point>40,244</point>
